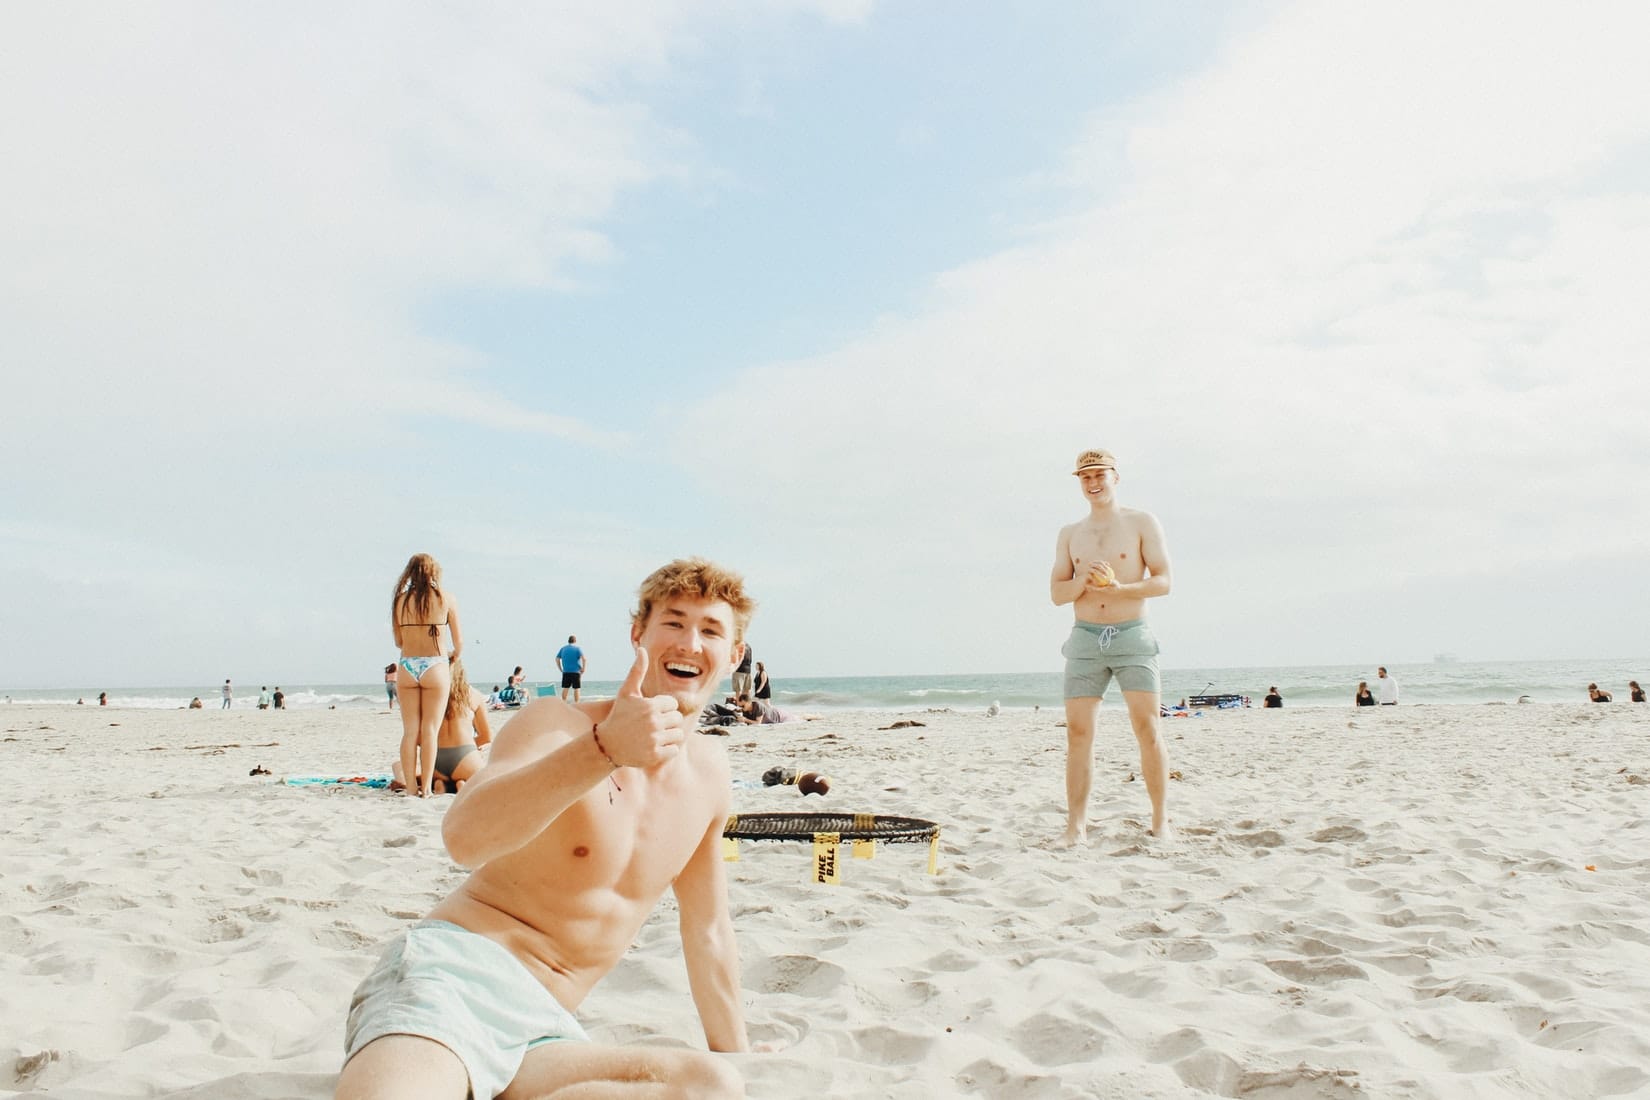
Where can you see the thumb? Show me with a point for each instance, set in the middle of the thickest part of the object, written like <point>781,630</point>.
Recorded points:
<point>633,680</point>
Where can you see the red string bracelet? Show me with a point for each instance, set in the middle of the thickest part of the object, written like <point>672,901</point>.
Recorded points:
<point>610,760</point>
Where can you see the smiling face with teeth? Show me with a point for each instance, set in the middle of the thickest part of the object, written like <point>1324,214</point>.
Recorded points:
<point>690,648</point>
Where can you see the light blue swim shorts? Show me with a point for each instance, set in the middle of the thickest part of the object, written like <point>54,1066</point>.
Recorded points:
<point>464,991</point>
<point>1097,652</point>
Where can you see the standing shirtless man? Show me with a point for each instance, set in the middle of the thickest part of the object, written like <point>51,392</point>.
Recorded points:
<point>1107,566</point>
<point>575,827</point>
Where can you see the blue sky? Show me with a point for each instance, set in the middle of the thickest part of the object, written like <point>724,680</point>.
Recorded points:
<point>831,291</point>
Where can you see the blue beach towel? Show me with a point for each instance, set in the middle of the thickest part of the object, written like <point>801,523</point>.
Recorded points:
<point>337,781</point>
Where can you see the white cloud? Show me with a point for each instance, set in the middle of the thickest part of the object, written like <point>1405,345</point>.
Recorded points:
<point>1359,306</point>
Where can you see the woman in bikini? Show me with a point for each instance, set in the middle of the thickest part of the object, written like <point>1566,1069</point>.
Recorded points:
<point>464,730</point>
<point>418,611</point>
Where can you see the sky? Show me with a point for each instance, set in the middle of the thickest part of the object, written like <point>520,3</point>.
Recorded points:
<point>832,292</point>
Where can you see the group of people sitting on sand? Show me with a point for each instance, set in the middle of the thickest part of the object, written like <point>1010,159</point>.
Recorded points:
<point>1599,695</point>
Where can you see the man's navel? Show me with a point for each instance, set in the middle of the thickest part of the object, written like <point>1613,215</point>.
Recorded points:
<point>581,851</point>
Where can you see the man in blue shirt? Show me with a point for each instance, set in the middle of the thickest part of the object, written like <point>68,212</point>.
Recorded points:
<point>570,660</point>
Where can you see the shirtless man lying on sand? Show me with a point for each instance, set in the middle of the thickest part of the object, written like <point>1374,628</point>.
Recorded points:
<point>574,828</point>
<point>1107,565</point>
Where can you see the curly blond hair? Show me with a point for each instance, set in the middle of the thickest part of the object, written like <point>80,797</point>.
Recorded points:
<point>698,579</point>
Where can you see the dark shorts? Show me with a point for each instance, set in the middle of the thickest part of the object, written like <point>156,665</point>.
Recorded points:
<point>570,680</point>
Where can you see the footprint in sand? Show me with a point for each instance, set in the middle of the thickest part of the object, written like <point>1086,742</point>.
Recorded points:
<point>1317,971</point>
<point>803,975</point>
<point>1049,1040</point>
<point>1344,834</point>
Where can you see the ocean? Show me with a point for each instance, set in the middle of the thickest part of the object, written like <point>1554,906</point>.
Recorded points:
<point>1305,686</point>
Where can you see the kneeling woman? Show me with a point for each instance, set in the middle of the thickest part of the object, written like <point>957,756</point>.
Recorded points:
<point>464,733</point>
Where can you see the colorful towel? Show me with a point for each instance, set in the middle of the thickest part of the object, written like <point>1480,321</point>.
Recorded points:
<point>337,781</point>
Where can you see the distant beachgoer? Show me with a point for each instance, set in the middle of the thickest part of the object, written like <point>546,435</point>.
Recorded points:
<point>228,696</point>
<point>1597,694</point>
<point>1388,688</point>
<point>389,684</point>
<point>1273,699</point>
<point>572,832</point>
<point>465,734</point>
<point>419,608</point>
<point>263,697</point>
<point>1637,695</point>
<point>278,700</point>
<point>1107,565</point>
<point>102,698</point>
<point>742,675</point>
<point>516,678</point>
<point>1365,697</point>
<point>764,689</point>
<point>754,712</point>
<point>570,663</point>
<point>195,703</point>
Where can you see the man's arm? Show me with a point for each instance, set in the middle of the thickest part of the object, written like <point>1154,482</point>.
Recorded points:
<point>548,758</point>
<point>452,625</point>
<point>1064,585</point>
<point>708,945</point>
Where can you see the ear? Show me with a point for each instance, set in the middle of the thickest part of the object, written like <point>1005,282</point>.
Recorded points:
<point>635,633</point>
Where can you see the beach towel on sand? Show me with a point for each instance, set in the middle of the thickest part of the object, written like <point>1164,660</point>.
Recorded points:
<point>337,781</point>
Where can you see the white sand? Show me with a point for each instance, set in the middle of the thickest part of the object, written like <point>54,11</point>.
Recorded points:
<point>1389,903</point>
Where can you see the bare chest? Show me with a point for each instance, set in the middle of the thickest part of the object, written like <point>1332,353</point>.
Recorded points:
<point>1117,544</point>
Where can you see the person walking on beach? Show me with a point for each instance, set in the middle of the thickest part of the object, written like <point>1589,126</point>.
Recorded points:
<point>579,821</point>
<point>419,609</point>
<point>228,696</point>
<point>1387,687</point>
<point>389,684</point>
<point>570,663</point>
<point>263,697</point>
<point>1107,565</point>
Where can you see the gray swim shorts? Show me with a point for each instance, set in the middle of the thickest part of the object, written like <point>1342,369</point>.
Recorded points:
<point>464,991</point>
<point>1097,652</point>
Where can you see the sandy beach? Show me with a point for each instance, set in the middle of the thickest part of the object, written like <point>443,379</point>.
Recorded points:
<point>1422,901</point>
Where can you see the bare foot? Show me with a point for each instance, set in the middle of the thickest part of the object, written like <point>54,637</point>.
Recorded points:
<point>1075,835</point>
<point>1164,831</point>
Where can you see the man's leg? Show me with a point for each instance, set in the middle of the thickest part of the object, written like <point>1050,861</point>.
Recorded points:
<point>403,1067</point>
<point>1080,716</point>
<point>587,1071</point>
<point>1154,758</point>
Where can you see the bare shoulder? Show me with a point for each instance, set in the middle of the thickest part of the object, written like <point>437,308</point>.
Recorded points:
<point>1141,520</point>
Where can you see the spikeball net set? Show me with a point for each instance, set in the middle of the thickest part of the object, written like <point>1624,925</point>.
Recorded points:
<point>828,833</point>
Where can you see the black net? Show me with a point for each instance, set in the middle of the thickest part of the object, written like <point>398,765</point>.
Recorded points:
<point>800,826</point>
